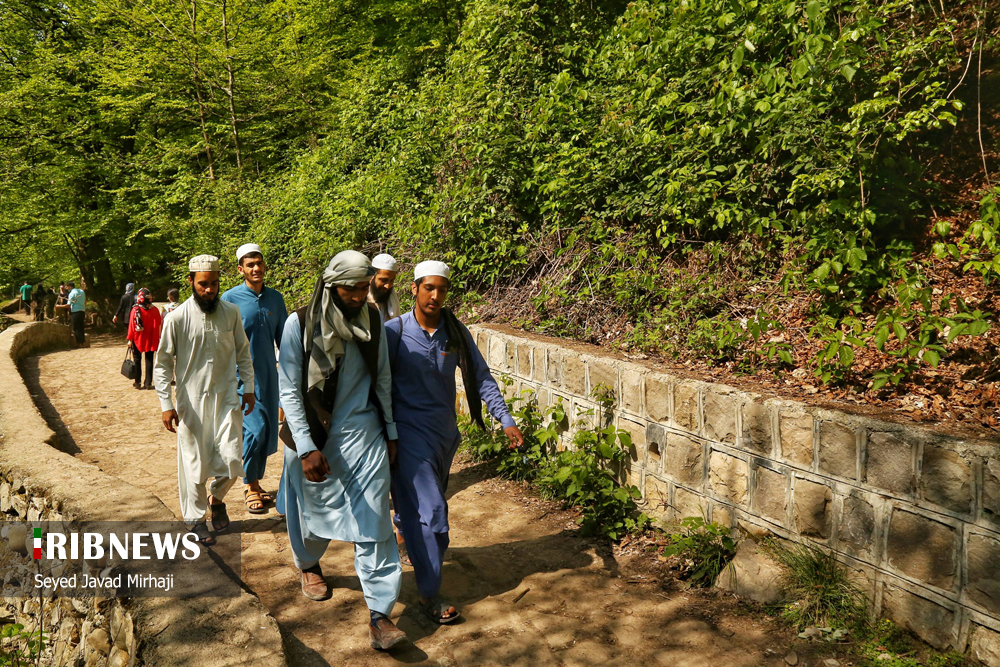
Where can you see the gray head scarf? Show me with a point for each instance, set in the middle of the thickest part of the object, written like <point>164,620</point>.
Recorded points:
<point>129,288</point>
<point>326,341</point>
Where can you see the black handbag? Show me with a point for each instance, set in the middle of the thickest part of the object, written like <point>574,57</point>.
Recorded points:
<point>128,366</point>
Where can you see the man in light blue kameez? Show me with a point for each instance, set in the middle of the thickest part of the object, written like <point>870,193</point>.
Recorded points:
<point>263,312</point>
<point>426,346</point>
<point>336,392</point>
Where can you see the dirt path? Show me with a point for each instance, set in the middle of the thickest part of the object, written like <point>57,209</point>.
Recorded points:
<point>531,590</point>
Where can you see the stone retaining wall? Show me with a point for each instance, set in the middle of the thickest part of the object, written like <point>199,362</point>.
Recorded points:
<point>915,513</point>
<point>38,482</point>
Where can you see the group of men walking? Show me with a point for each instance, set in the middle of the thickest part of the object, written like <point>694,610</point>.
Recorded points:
<point>368,396</point>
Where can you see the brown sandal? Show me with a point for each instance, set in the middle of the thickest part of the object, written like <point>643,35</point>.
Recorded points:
<point>254,502</point>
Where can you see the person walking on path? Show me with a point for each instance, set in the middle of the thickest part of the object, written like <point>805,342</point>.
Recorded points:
<point>202,346</point>
<point>335,390</point>
<point>426,345</point>
<point>382,295</point>
<point>263,312</point>
<point>77,301</point>
<point>25,291</point>
<point>50,303</point>
<point>126,305</point>
<point>61,301</point>
<point>38,303</point>
<point>173,296</point>
<point>144,324</point>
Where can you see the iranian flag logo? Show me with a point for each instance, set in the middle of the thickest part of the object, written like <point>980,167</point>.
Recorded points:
<point>38,544</point>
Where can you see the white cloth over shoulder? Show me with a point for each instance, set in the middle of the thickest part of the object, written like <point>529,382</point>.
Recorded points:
<point>202,352</point>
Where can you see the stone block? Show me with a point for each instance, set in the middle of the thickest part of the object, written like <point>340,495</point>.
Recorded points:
<point>686,407</point>
<point>682,460</point>
<point>857,525</point>
<point>603,374</point>
<point>796,432</point>
<point>637,432</point>
<point>771,494</point>
<point>657,394</point>
<point>631,387</point>
<point>753,574</point>
<point>722,515</point>
<point>656,439</point>
<point>923,549</point>
<point>757,428</point>
<point>991,489</point>
<point>728,477</point>
<point>575,375</point>
<point>498,355</point>
<point>657,496</point>
<point>890,463</point>
<point>946,479</point>
<point>553,368</point>
<point>984,646</point>
<point>688,504</point>
<point>524,353</point>
<point>928,620</point>
<point>838,449</point>
<point>813,508</point>
<point>983,586</point>
<point>720,417</point>
<point>483,343</point>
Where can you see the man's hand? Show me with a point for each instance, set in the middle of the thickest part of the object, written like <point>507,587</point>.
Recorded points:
<point>515,436</point>
<point>393,447</point>
<point>170,420</point>
<point>249,401</point>
<point>115,319</point>
<point>315,466</point>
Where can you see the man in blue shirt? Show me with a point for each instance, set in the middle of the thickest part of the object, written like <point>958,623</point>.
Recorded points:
<point>263,312</point>
<point>426,345</point>
<point>77,301</point>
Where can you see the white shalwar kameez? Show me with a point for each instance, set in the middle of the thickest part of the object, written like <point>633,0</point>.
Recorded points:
<point>202,352</point>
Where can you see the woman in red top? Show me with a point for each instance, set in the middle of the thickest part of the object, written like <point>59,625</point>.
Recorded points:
<point>144,324</point>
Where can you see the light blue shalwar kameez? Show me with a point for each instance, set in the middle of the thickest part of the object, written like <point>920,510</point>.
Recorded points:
<point>352,504</point>
<point>263,318</point>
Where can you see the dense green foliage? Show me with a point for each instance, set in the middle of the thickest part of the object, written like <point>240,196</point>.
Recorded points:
<point>655,173</point>
<point>588,475</point>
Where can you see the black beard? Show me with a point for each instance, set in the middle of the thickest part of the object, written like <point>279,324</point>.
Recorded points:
<point>349,313</point>
<point>207,306</point>
<point>380,295</point>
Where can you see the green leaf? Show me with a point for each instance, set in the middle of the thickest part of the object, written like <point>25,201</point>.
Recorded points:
<point>738,57</point>
<point>812,9</point>
<point>848,72</point>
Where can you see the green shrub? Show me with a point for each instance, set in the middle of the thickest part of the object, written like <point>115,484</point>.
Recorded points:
<point>705,550</point>
<point>19,647</point>
<point>887,645</point>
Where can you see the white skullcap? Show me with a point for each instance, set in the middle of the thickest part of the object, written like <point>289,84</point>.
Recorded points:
<point>431,268</point>
<point>246,249</point>
<point>203,263</point>
<point>385,262</point>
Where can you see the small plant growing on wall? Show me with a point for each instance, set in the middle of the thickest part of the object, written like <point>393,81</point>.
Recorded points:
<point>705,549</point>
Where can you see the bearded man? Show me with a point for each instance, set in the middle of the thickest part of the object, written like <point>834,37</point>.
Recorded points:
<point>340,438</point>
<point>382,294</point>
<point>201,347</point>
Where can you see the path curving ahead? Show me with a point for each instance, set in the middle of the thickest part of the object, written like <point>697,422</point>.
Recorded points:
<point>532,591</point>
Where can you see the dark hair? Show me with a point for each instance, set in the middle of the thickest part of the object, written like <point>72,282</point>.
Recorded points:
<point>173,292</point>
<point>251,255</point>
<point>418,281</point>
<point>70,284</point>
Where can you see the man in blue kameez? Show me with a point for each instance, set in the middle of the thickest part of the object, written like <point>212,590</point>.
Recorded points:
<point>426,345</point>
<point>263,312</point>
<point>336,390</point>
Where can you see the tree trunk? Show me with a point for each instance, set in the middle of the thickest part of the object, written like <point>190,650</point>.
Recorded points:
<point>230,88</point>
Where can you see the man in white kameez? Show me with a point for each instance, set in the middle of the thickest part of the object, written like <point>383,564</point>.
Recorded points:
<point>382,294</point>
<point>336,390</point>
<point>202,345</point>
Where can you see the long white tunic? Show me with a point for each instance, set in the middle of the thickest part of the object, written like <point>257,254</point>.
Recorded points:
<point>202,353</point>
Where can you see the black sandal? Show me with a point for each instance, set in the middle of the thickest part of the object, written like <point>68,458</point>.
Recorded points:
<point>220,517</point>
<point>204,536</point>
<point>404,557</point>
<point>436,609</point>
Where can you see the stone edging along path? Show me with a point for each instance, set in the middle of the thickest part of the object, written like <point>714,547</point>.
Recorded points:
<point>915,513</point>
<point>40,482</point>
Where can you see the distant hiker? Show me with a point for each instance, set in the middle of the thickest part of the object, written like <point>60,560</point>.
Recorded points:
<point>63,313</point>
<point>173,296</point>
<point>25,291</point>
<point>202,345</point>
<point>382,295</point>
<point>50,303</point>
<point>426,346</point>
<point>144,325</point>
<point>335,390</point>
<point>77,302</point>
<point>263,312</point>
<point>38,302</point>
<point>125,305</point>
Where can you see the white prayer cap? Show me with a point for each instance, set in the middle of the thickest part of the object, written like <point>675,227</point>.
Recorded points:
<point>203,263</point>
<point>246,249</point>
<point>385,262</point>
<point>431,268</point>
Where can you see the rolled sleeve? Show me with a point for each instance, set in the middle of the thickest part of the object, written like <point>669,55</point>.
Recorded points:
<point>289,386</point>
